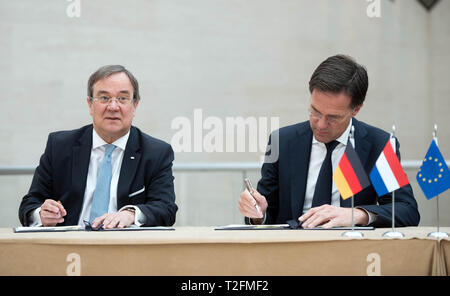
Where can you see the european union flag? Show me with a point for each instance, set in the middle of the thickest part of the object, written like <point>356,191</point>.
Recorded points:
<point>434,175</point>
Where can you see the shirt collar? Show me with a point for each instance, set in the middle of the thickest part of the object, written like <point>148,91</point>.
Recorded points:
<point>97,141</point>
<point>343,139</point>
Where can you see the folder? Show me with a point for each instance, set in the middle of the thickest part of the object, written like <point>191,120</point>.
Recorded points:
<point>84,228</point>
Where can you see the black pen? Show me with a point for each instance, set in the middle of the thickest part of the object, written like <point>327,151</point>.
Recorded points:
<point>88,226</point>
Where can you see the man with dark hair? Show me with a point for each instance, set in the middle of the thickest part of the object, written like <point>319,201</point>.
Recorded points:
<point>299,186</point>
<point>107,173</point>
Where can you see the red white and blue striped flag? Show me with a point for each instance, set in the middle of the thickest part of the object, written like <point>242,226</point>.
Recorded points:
<point>388,175</point>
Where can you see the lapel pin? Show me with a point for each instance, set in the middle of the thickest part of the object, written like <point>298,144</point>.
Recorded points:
<point>132,157</point>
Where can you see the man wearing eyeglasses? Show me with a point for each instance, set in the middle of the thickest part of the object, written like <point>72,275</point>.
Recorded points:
<point>298,185</point>
<point>107,174</point>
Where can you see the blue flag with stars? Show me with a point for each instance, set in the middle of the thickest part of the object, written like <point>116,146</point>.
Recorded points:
<point>434,175</point>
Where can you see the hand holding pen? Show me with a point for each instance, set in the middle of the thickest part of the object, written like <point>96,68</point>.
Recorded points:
<point>251,203</point>
<point>52,212</point>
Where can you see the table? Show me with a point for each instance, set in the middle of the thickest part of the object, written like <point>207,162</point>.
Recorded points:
<point>203,251</point>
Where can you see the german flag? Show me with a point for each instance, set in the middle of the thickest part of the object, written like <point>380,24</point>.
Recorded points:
<point>350,177</point>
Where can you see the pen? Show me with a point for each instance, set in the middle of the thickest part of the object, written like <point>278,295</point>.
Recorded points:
<point>88,226</point>
<point>59,202</point>
<point>250,189</point>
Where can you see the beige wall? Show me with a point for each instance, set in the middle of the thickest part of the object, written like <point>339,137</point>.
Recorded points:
<point>230,58</point>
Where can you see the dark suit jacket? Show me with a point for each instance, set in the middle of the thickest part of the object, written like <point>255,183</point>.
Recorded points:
<point>283,182</point>
<point>63,168</point>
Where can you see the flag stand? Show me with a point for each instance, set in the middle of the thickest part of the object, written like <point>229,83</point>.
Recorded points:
<point>393,233</point>
<point>353,233</point>
<point>437,234</point>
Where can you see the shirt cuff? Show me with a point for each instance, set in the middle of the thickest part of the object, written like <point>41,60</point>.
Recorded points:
<point>34,218</point>
<point>372,216</point>
<point>139,217</point>
<point>263,221</point>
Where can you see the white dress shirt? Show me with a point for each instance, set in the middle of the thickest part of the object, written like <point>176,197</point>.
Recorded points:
<point>318,153</point>
<point>97,154</point>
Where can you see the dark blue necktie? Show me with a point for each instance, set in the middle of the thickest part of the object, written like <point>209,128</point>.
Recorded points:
<point>100,200</point>
<point>322,193</point>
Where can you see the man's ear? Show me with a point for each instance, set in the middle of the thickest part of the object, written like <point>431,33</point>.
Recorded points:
<point>90,104</point>
<point>135,103</point>
<point>356,110</point>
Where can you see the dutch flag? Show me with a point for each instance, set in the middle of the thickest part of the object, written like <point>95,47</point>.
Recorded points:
<point>388,175</point>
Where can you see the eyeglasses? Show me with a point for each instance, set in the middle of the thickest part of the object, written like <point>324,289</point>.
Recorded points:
<point>330,119</point>
<point>105,100</point>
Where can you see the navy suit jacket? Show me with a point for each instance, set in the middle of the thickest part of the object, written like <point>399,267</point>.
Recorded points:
<point>283,182</point>
<point>63,168</point>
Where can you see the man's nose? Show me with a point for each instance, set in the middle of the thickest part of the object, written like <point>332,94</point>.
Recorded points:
<point>113,105</point>
<point>322,123</point>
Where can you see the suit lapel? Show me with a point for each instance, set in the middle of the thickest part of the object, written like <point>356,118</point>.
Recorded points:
<point>81,155</point>
<point>362,144</point>
<point>299,148</point>
<point>130,162</point>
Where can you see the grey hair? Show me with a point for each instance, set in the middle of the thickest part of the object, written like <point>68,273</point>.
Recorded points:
<point>107,71</point>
